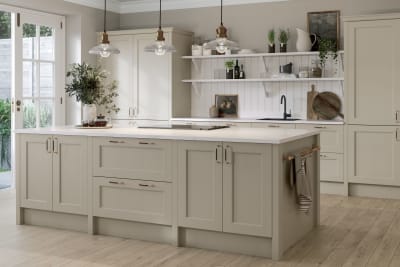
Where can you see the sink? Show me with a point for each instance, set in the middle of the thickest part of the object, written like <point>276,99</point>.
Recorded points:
<point>278,119</point>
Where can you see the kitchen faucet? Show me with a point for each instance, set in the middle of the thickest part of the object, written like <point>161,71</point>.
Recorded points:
<point>285,115</point>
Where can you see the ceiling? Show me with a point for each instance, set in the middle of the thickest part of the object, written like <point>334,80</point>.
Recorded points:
<point>136,6</point>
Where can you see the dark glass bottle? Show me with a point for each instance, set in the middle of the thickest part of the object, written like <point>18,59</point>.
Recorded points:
<point>242,75</point>
<point>236,72</point>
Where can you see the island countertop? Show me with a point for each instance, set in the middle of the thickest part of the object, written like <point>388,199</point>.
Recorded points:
<point>236,134</point>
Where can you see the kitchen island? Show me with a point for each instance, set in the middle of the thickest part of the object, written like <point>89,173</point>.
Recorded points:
<point>226,189</point>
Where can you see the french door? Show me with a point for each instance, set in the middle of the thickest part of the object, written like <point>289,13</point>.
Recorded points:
<point>39,45</point>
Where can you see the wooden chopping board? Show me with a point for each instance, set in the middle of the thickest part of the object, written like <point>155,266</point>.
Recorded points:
<point>311,115</point>
<point>327,105</point>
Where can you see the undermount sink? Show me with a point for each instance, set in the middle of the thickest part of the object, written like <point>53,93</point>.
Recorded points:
<point>278,119</point>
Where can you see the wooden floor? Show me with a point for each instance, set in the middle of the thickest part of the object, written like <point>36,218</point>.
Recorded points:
<point>353,232</point>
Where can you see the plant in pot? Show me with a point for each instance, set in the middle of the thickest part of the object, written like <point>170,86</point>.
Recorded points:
<point>229,65</point>
<point>271,41</point>
<point>283,39</point>
<point>327,49</point>
<point>88,84</point>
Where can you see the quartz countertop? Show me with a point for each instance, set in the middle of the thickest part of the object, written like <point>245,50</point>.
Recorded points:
<point>254,120</point>
<point>235,134</point>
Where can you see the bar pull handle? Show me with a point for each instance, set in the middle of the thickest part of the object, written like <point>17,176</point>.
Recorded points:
<point>116,142</point>
<point>55,145</point>
<point>218,154</point>
<point>397,115</point>
<point>397,134</point>
<point>48,145</point>
<point>147,185</point>
<point>320,127</point>
<point>146,143</point>
<point>113,182</point>
<point>274,126</point>
<point>228,155</point>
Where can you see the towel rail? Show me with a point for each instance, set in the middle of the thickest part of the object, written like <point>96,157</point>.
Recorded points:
<point>303,153</point>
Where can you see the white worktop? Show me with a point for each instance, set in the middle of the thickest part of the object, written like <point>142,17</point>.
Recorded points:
<point>254,120</point>
<point>236,134</point>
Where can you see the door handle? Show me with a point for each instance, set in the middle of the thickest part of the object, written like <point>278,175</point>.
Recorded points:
<point>18,105</point>
<point>397,134</point>
<point>218,154</point>
<point>228,155</point>
<point>55,145</point>
<point>48,145</point>
<point>397,115</point>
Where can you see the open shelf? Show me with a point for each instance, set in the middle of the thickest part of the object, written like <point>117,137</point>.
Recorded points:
<point>257,55</point>
<point>263,80</point>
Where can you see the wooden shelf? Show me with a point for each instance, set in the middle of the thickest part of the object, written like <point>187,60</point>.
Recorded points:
<point>263,80</point>
<point>257,55</point>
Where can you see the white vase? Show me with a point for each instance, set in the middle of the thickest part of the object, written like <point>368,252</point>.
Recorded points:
<point>303,43</point>
<point>89,113</point>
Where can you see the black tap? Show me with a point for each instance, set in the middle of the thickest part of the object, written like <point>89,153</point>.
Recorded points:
<point>285,115</point>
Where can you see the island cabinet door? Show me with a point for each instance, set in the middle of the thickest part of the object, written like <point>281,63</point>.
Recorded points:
<point>70,174</point>
<point>36,171</point>
<point>200,185</point>
<point>247,183</point>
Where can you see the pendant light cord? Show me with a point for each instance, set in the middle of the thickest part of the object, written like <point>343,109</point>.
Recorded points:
<point>159,24</point>
<point>221,13</point>
<point>105,14</point>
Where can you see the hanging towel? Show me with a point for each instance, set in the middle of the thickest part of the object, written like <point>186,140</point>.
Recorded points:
<point>303,187</point>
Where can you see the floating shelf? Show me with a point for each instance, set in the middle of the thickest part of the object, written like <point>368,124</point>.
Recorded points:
<point>257,55</point>
<point>263,80</point>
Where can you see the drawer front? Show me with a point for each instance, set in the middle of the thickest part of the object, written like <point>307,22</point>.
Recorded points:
<point>132,200</point>
<point>141,159</point>
<point>331,136</point>
<point>331,167</point>
<point>273,125</point>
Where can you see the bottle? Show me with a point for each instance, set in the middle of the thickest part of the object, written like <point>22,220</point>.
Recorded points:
<point>242,75</point>
<point>236,71</point>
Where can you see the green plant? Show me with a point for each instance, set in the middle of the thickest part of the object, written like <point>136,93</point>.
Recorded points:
<point>88,85</point>
<point>271,36</point>
<point>45,116</point>
<point>229,64</point>
<point>5,131</point>
<point>284,36</point>
<point>327,48</point>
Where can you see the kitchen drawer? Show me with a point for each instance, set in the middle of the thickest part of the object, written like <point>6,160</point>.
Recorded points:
<point>273,125</point>
<point>331,167</point>
<point>141,159</point>
<point>331,136</point>
<point>132,200</point>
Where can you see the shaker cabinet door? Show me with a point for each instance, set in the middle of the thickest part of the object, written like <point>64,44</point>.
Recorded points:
<point>200,185</point>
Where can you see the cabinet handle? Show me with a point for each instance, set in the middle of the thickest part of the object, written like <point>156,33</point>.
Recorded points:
<point>147,185</point>
<point>48,145</point>
<point>218,154</point>
<point>116,142</point>
<point>274,126</point>
<point>129,112</point>
<point>320,127</point>
<point>228,155</point>
<point>146,143</point>
<point>397,135</point>
<point>55,145</point>
<point>397,116</point>
<point>113,182</point>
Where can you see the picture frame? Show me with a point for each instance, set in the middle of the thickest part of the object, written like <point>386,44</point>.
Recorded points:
<point>325,24</point>
<point>227,105</point>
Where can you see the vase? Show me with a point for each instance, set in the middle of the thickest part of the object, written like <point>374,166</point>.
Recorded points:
<point>303,43</point>
<point>283,48</point>
<point>89,114</point>
<point>271,48</point>
<point>229,73</point>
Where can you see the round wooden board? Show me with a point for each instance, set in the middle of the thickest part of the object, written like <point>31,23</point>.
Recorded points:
<point>327,105</point>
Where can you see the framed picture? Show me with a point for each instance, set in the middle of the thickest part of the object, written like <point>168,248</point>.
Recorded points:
<point>325,24</point>
<point>227,105</point>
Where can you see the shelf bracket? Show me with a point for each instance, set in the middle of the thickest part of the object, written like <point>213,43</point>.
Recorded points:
<point>195,86</point>
<point>265,64</point>
<point>196,64</point>
<point>264,84</point>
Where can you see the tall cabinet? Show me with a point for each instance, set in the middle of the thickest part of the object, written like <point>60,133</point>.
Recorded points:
<point>149,86</point>
<point>372,79</point>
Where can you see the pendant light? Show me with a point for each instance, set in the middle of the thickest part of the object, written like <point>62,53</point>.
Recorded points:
<point>221,43</point>
<point>104,49</point>
<point>159,47</point>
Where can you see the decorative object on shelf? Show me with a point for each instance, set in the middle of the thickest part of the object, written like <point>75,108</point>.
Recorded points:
<point>197,50</point>
<point>227,105</point>
<point>246,51</point>
<point>229,65</point>
<point>236,70</point>
<point>311,115</point>
<point>104,49</point>
<point>213,111</point>
<point>160,47</point>
<point>325,24</point>
<point>88,85</point>
<point>221,43</point>
<point>271,41</point>
<point>283,39</point>
<point>327,48</point>
<point>286,68</point>
<point>327,105</point>
<point>206,51</point>
<point>303,72</point>
<point>242,74</point>
<point>316,71</point>
<point>303,43</point>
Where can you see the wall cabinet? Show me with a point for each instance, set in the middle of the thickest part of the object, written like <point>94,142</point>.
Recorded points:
<point>54,173</point>
<point>149,86</point>
<point>372,75</point>
<point>374,155</point>
<point>225,187</point>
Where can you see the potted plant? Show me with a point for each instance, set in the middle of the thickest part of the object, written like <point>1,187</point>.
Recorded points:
<point>271,41</point>
<point>88,85</point>
<point>283,39</point>
<point>327,48</point>
<point>229,65</point>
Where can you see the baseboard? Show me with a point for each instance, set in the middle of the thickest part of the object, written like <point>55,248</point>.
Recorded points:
<point>374,191</point>
<point>333,188</point>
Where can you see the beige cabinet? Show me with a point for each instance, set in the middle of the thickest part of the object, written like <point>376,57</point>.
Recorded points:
<point>374,155</point>
<point>150,86</point>
<point>134,200</point>
<point>225,187</point>
<point>142,159</point>
<point>54,173</point>
<point>331,136</point>
<point>247,189</point>
<point>331,167</point>
<point>372,71</point>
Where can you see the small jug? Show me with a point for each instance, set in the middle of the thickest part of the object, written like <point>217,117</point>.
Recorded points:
<point>303,43</point>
